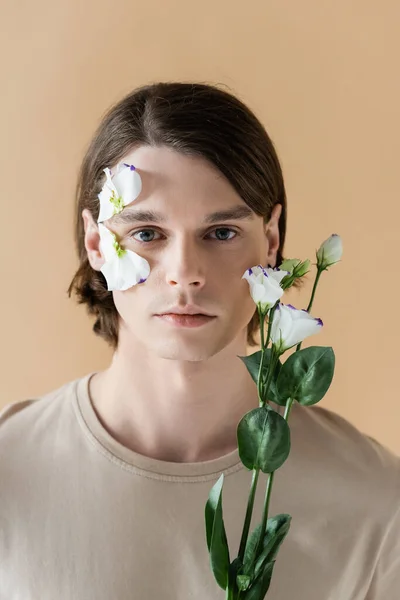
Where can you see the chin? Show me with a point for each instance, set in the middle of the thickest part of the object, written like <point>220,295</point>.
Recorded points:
<point>187,346</point>
<point>184,350</point>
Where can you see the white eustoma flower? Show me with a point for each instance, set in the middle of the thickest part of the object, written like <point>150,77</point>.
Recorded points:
<point>118,191</point>
<point>330,252</point>
<point>264,285</point>
<point>122,268</point>
<point>290,326</point>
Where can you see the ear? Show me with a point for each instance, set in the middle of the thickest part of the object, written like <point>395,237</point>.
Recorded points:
<point>92,241</point>
<point>272,234</point>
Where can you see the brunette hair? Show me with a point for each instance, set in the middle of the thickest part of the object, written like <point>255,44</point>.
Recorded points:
<point>195,119</point>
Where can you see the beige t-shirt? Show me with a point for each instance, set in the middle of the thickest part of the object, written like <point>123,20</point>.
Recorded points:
<point>84,518</point>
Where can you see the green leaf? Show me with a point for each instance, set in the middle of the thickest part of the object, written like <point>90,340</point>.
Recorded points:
<point>263,439</point>
<point>306,375</point>
<point>217,542</point>
<point>275,532</point>
<point>261,585</point>
<point>277,529</point>
<point>252,363</point>
<point>249,558</point>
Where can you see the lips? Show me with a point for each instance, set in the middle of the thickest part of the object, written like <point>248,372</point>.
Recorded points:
<point>182,320</point>
<point>185,315</point>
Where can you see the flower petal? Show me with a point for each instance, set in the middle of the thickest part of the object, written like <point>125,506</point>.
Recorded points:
<point>118,190</point>
<point>124,272</point>
<point>107,240</point>
<point>109,270</point>
<point>291,326</point>
<point>128,184</point>
<point>302,328</point>
<point>265,288</point>
<point>133,269</point>
<point>277,274</point>
<point>108,191</point>
<point>121,272</point>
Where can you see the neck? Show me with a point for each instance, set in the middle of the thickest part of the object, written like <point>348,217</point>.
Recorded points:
<point>174,410</point>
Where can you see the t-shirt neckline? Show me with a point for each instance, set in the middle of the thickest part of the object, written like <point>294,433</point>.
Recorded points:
<point>138,463</point>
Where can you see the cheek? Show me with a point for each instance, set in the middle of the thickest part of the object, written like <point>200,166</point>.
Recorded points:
<point>236,292</point>
<point>126,303</point>
<point>237,263</point>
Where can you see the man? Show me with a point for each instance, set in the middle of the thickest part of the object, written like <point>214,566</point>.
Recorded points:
<point>105,480</point>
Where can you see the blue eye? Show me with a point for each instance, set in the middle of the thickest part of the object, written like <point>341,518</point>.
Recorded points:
<point>142,231</point>
<point>152,231</point>
<point>226,229</point>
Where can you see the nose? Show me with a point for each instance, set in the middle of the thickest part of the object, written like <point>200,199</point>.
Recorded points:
<point>184,265</point>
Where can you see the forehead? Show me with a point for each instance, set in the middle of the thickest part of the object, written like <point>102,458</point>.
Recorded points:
<point>164,170</point>
<point>177,187</point>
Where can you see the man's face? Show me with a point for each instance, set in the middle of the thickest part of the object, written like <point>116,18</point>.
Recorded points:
<point>191,261</point>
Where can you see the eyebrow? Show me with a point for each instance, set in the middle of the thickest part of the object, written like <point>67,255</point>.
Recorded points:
<point>130,216</point>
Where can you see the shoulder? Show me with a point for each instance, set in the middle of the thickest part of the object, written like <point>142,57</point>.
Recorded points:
<point>342,438</point>
<point>354,466</point>
<point>24,419</point>
<point>371,486</point>
<point>13,408</point>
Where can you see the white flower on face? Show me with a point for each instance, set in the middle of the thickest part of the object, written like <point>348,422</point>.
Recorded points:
<point>330,252</point>
<point>122,268</point>
<point>290,326</point>
<point>264,285</point>
<point>118,191</point>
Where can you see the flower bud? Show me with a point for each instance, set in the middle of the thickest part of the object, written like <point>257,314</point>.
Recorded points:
<point>289,264</point>
<point>296,269</point>
<point>302,268</point>
<point>330,252</point>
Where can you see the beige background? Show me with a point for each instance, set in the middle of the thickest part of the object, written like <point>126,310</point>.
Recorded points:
<point>323,76</point>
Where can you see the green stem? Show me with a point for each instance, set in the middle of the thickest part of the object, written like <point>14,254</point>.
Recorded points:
<point>250,503</point>
<point>288,408</point>
<point>270,317</point>
<point>234,593</point>
<point>249,512</point>
<point>259,379</point>
<point>262,392</point>
<point>256,472</point>
<point>272,365</point>
<point>269,489</point>
<point>318,275</point>
<point>262,319</point>
<point>265,513</point>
